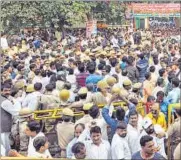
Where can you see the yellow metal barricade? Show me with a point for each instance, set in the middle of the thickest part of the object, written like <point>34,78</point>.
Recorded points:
<point>56,113</point>
<point>140,109</point>
<point>116,104</point>
<point>52,114</point>
<point>170,107</point>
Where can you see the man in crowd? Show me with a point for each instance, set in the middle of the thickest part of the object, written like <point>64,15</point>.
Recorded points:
<point>55,74</point>
<point>147,150</point>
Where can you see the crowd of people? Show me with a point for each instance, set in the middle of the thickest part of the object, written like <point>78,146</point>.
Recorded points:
<point>83,74</point>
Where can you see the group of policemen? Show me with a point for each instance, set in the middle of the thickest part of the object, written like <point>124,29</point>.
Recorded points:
<point>96,81</point>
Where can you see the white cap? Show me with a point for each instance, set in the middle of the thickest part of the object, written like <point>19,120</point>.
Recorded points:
<point>146,122</point>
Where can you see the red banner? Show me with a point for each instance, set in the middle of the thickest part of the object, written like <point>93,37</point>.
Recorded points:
<point>144,8</point>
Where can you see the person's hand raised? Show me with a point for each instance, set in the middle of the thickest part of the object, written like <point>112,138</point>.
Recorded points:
<point>114,97</point>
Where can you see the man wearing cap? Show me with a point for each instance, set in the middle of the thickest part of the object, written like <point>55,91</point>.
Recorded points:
<point>20,84</point>
<point>65,130</point>
<point>126,90</point>
<point>19,138</point>
<point>64,97</point>
<point>48,99</point>
<point>111,81</point>
<point>82,94</point>
<point>154,131</point>
<point>83,99</point>
<point>102,96</point>
<point>86,118</point>
<point>136,93</point>
<point>31,100</point>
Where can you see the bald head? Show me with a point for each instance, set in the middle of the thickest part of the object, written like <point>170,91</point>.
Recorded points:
<point>155,109</point>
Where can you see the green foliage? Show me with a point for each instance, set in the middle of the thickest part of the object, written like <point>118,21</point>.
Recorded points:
<point>16,15</point>
<point>112,12</point>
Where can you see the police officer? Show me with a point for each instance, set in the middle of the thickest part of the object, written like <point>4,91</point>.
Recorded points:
<point>65,130</point>
<point>174,132</point>
<point>126,90</point>
<point>19,138</point>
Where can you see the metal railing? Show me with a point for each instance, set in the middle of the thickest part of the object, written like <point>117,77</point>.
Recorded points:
<point>56,113</point>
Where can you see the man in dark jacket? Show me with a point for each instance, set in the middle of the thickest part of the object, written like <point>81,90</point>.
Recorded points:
<point>137,37</point>
<point>142,65</point>
<point>6,116</point>
<point>133,73</point>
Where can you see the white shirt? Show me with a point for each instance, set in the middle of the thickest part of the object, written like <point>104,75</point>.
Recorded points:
<point>17,104</point>
<point>133,136</point>
<point>114,42</point>
<point>31,100</point>
<point>4,43</point>
<point>72,80</point>
<point>31,148</point>
<point>113,70</point>
<point>157,141</point>
<point>3,151</point>
<point>156,90</point>
<point>8,106</point>
<point>97,152</point>
<point>84,42</point>
<point>85,119</point>
<point>103,125</point>
<point>69,147</point>
<point>45,81</point>
<point>46,154</point>
<point>37,79</point>
<point>120,148</point>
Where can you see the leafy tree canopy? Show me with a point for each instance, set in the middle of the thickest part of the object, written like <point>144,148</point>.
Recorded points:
<point>16,15</point>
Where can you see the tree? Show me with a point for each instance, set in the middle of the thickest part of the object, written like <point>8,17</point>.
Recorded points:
<point>112,12</point>
<point>16,15</point>
<point>35,13</point>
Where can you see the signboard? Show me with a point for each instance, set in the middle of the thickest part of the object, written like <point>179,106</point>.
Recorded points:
<point>156,15</point>
<point>101,25</point>
<point>91,28</point>
<point>156,10</point>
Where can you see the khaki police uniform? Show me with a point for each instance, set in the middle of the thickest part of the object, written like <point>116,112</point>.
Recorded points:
<point>65,132</point>
<point>174,133</point>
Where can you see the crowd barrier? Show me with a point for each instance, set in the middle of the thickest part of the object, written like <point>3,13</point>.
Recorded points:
<point>56,113</point>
